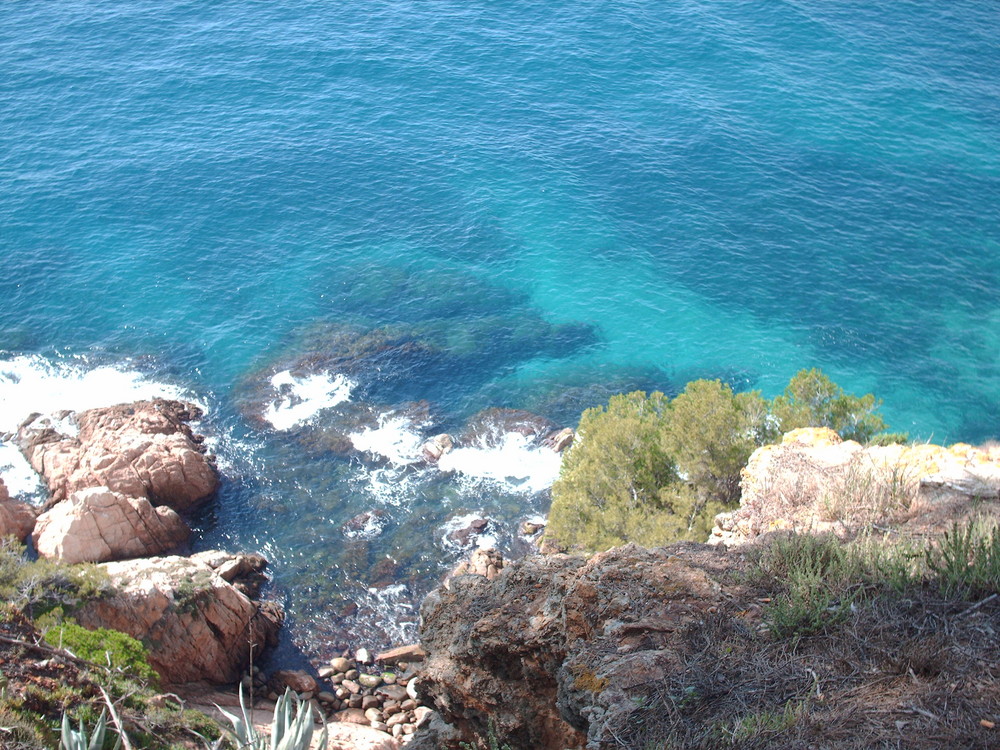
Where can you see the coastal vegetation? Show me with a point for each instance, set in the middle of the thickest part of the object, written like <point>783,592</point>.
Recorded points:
<point>55,674</point>
<point>649,469</point>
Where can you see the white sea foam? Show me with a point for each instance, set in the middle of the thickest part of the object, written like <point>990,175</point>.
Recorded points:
<point>18,476</point>
<point>33,384</point>
<point>397,438</point>
<point>516,464</point>
<point>299,399</point>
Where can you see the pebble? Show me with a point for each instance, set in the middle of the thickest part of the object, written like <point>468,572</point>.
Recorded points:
<point>408,705</point>
<point>373,714</point>
<point>351,686</point>
<point>397,730</point>
<point>361,656</point>
<point>369,680</point>
<point>326,671</point>
<point>388,678</point>
<point>370,701</point>
<point>354,701</point>
<point>380,726</point>
<point>351,674</point>
<point>395,719</point>
<point>340,664</point>
<point>326,697</point>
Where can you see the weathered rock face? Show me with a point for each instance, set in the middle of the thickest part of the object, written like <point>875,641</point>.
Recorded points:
<point>16,518</point>
<point>814,481</point>
<point>196,625</point>
<point>145,449</point>
<point>97,525</point>
<point>560,651</point>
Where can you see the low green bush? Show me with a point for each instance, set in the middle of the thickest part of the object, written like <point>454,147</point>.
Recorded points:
<point>39,586</point>
<point>119,651</point>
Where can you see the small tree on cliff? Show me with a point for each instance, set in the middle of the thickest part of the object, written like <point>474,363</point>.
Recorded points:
<point>649,470</point>
<point>611,479</point>
<point>811,399</point>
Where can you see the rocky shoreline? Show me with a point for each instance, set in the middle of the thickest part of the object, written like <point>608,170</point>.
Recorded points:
<point>553,650</point>
<point>121,479</point>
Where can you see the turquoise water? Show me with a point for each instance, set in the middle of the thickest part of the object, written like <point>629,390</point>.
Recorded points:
<point>567,199</point>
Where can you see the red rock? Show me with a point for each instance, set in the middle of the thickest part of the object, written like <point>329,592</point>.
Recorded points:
<point>145,449</point>
<point>196,625</point>
<point>413,652</point>
<point>17,519</point>
<point>97,525</point>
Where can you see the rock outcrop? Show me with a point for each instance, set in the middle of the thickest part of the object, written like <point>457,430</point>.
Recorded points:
<point>560,651</point>
<point>814,481</point>
<point>197,625</point>
<point>144,449</point>
<point>16,518</point>
<point>98,525</point>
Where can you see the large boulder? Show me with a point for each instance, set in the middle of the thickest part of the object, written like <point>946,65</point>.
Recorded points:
<point>814,481</point>
<point>98,525</point>
<point>16,518</point>
<point>559,651</point>
<point>197,625</point>
<point>144,449</point>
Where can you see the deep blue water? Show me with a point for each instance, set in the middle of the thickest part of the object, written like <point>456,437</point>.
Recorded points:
<point>564,199</point>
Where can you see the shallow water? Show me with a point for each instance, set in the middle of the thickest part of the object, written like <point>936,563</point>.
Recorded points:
<point>550,204</point>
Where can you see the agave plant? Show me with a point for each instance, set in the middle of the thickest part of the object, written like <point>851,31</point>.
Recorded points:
<point>291,728</point>
<point>76,739</point>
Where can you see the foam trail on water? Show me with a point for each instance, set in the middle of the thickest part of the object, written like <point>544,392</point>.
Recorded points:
<point>396,438</point>
<point>517,463</point>
<point>300,399</point>
<point>31,384</point>
<point>17,474</point>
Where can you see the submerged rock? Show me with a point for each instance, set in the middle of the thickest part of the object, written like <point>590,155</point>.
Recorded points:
<point>98,525</point>
<point>489,427</point>
<point>196,625</point>
<point>17,519</point>
<point>145,449</point>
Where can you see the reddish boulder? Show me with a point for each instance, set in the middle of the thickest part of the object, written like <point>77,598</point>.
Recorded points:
<point>196,625</point>
<point>98,525</point>
<point>16,518</point>
<point>145,449</point>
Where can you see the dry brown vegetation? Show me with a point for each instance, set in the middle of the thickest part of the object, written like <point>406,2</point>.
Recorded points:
<point>894,659</point>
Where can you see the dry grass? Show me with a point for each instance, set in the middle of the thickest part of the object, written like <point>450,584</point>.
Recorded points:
<point>909,663</point>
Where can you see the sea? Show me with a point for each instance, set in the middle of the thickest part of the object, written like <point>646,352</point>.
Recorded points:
<point>344,227</point>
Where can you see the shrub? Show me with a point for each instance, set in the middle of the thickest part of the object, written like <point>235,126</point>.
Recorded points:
<point>651,470</point>
<point>39,586</point>
<point>613,482</point>
<point>967,561</point>
<point>119,651</point>
<point>811,399</point>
